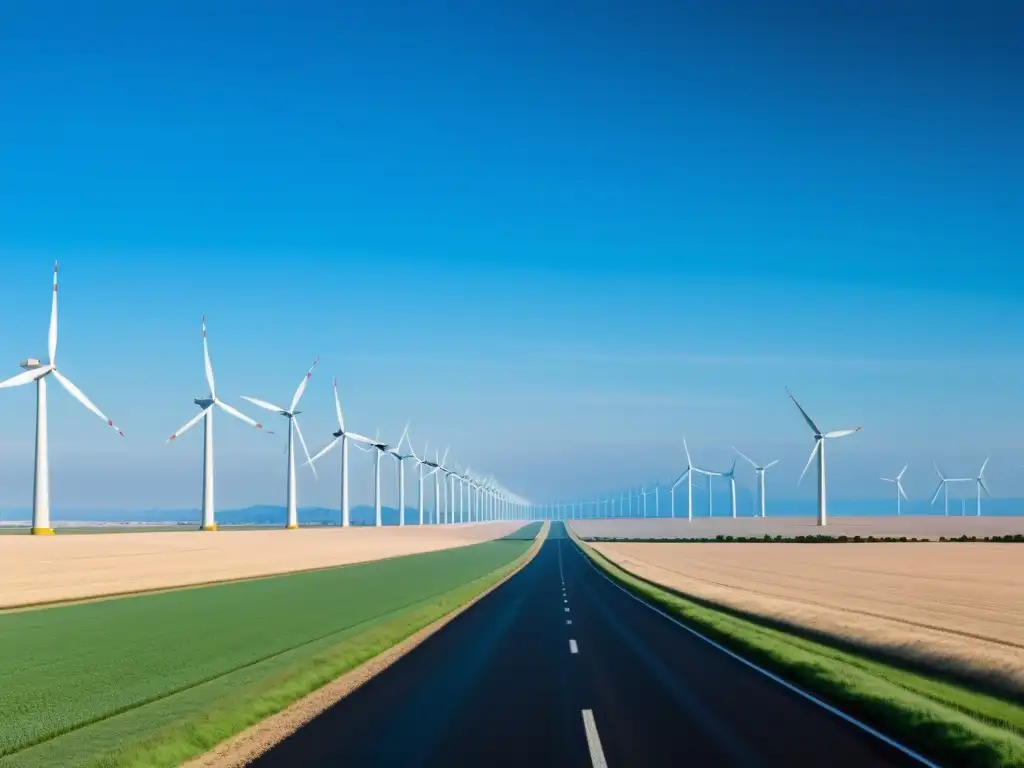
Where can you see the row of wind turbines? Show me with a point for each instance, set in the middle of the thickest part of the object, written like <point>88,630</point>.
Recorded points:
<point>479,497</point>
<point>605,506</point>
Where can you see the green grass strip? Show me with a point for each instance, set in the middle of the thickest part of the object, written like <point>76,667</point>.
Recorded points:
<point>952,725</point>
<point>182,668</point>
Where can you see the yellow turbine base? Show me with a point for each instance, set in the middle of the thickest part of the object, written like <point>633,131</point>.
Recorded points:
<point>42,531</point>
<point>209,527</point>
<point>290,527</point>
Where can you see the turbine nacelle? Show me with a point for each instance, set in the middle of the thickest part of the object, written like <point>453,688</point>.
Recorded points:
<point>204,402</point>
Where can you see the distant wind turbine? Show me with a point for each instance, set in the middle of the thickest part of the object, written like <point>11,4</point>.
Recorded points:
<point>898,480</point>
<point>944,486</point>
<point>293,426</point>
<point>759,472</point>
<point>819,449</point>
<point>980,480</point>
<point>731,475</point>
<point>207,403</point>
<point>687,475</point>
<point>343,437</point>
<point>37,372</point>
<point>398,456</point>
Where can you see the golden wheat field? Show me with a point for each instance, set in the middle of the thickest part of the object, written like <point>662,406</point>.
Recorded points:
<point>958,605</point>
<point>43,569</point>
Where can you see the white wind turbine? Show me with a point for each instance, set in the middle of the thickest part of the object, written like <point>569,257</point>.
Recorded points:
<point>944,485</point>
<point>37,372</point>
<point>399,457</point>
<point>819,449</point>
<point>643,495</point>
<point>293,427</point>
<point>980,481</point>
<point>759,471</point>
<point>731,475</point>
<point>343,437</point>
<point>687,475</point>
<point>898,480</point>
<point>420,464</point>
<point>206,404</point>
<point>381,448</point>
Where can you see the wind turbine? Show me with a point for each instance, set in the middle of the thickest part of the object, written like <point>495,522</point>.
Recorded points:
<point>899,487</point>
<point>759,472</point>
<point>657,503</point>
<point>37,372</point>
<point>400,458</point>
<point>207,403</point>
<point>643,495</point>
<point>980,480</point>
<point>293,426</point>
<point>687,475</point>
<point>944,485</point>
<point>420,464</point>
<point>381,448</point>
<point>731,474</point>
<point>343,437</point>
<point>819,449</point>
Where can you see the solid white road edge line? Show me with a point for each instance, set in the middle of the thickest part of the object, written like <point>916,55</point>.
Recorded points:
<point>593,740</point>
<point>770,675</point>
<point>573,648</point>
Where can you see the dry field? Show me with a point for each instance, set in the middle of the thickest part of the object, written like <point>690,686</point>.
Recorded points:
<point>42,569</point>
<point>911,526</point>
<point>958,605</point>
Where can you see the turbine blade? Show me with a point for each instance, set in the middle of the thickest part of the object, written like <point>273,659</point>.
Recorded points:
<point>938,471</point>
<point>982,472</point>
<point>686,448</point>
<point>766,466</point>
<point>305,450</point>
<point>239,415</point>
<point>807,418</point>
<point>405,434</point>
<point>325,450</point>
<point>360,438</point>
<point>189,424</point>
<point>903,493</point>
<point>52,340</point>
<point>26,377</point>
<point>80,397</point>
<point>840,433</point>
<point>206,360</point>
<point>900,475</point>
<point>264,404</point>
<point>743,455</point>
<point>938,490</point>
<point>814,452</point>
<point>364,448</point>
<point>337,406</point>
<point>302,386</point>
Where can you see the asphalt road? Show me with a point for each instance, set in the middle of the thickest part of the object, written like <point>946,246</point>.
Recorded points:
<point>534,676</point>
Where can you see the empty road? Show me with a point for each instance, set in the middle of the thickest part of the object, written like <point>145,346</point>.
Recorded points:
<point>560,667</point>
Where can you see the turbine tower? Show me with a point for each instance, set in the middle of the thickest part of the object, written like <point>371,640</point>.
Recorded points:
<point>898,480</point>
<point>759,472</point>
<point>37,372</point>
<point>293,427</point>
<point>381,449</point>
<point>206,404</point>
<point>819,449</point>
<point>343,437</point>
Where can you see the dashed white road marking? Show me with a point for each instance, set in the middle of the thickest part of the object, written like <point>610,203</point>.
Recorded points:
<point>573,648</point>
<point>568,622</point>
<point>567,609</point>
<point>593,740</point>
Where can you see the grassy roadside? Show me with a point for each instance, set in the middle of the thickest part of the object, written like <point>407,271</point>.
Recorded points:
<point>953,725</point>
<point>189,720</point>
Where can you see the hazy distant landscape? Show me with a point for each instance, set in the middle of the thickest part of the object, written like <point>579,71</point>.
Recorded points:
<point>269,514</point>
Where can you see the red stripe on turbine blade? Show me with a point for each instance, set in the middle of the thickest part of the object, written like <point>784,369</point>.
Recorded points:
<point>171,437</point>
<point>259,426</point>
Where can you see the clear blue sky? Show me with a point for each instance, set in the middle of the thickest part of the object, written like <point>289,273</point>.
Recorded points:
<point>556,237</point>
